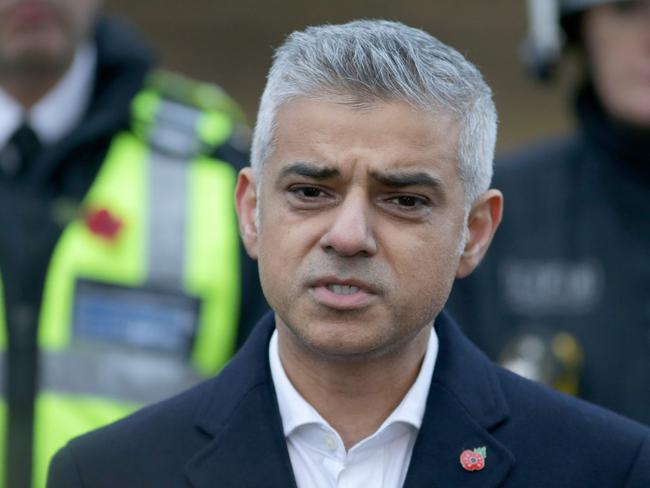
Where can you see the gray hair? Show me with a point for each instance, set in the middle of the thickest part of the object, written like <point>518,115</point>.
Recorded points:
<point>375,60</point>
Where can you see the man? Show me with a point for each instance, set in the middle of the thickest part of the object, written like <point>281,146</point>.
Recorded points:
<point>564,294</point>
<point>367,195</point>
<point>119,252</point>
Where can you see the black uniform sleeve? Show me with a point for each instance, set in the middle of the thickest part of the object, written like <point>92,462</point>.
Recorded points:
<point>63,471</point>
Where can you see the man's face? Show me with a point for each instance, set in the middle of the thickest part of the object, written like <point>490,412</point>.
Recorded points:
<point>41,35</point>
<point>617,40</point>
<point>361,223</point>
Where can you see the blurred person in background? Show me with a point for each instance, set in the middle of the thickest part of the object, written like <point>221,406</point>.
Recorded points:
<point>121,270</point>
<point>563,296</point>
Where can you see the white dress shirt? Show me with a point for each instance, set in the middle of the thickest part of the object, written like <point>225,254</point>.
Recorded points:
<point>58,112</point>
<point>317,453</point>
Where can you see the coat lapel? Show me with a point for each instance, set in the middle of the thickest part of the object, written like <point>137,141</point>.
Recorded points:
<point>247,446</point>
<point>465,404</point>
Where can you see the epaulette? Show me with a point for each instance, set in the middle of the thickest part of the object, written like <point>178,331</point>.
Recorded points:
<point>183,118</point>
<point>205,96</point>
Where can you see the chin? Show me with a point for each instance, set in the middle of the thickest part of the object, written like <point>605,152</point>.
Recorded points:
<point>634,110</point>
<point>42,52</point>
<point>350,351</point>
<point>340,339</point>
<point>644,121</point>
<point>640,121</point>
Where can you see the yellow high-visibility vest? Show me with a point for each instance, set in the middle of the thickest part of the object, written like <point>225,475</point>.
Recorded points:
<point>142,294</point>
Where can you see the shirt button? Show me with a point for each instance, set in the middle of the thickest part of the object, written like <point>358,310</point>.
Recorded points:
<point>330,442</point>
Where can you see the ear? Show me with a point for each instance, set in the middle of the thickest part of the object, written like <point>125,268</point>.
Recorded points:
<point>246,203</point>
<point>482,222</point>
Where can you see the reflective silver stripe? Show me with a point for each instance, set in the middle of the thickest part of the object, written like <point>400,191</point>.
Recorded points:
<point>174,141</point>
<point>168,180</point>
<point>116,373</point>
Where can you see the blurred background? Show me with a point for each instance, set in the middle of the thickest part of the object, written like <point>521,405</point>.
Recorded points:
<point>231,43</point>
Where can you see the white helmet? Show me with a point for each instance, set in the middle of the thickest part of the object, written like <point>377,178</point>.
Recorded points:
<point>546,39</point>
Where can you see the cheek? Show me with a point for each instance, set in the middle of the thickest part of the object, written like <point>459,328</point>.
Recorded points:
<point>278,285</point>
<point>614,58</point>
<point>80,16</point>
<point>432,284</point>
<point>420,300</point>
<point>611,73</point>
<point>271,256</point>
<point>624,93</point>
<point>281,253</point>
<point>427,270</point>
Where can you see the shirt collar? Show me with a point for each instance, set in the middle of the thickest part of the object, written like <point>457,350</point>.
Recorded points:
<point>61,109</point>
<point>296,411</point>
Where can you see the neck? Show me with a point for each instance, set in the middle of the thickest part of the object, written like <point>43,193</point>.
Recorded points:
<point>28,92</point>
<point>28,85</point>
<point>356,395</point>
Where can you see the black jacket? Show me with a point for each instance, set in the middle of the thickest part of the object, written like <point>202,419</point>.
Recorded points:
<point>227,433</point>
<point>573,255</point>
<point>35,207</point>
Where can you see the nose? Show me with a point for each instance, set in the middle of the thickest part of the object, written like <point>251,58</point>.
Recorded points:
<point>350,232</point>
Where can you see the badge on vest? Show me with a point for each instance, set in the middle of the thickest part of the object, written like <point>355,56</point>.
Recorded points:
<point>551,286</point>
<point>143,318</point>
<point>546,355</point>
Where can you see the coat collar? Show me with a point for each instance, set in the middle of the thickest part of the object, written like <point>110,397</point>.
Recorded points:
<point>247,446</point>
<point>241,414</point>
<point>465,404</point>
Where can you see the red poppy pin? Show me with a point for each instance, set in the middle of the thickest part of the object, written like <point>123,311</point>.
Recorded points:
<point>473,460</point>
<point>104,224</point>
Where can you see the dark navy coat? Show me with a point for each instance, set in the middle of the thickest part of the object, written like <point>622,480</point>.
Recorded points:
<point>227,433</point>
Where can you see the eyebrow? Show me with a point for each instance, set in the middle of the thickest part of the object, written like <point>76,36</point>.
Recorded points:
<point>309,170</point>
<point>401,179</point>
<point>404,179</point>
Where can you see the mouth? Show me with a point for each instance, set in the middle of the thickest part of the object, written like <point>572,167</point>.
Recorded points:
<point>343,289</point>
<point>340,294</point>
<point>32,13</point>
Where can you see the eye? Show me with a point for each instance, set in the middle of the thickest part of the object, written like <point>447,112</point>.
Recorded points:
<point>306,192</point>
<point>308,197</point>
<point>407,206</point>
<point>408,201</point>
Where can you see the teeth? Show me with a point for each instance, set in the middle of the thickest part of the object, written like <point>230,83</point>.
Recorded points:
<point>343,289</point>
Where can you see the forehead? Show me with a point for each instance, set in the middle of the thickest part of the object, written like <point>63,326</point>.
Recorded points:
<point>376,136</point>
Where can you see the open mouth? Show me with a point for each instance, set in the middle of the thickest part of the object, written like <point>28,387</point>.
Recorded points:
<point>343,289</point>
<point>342,294</point>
